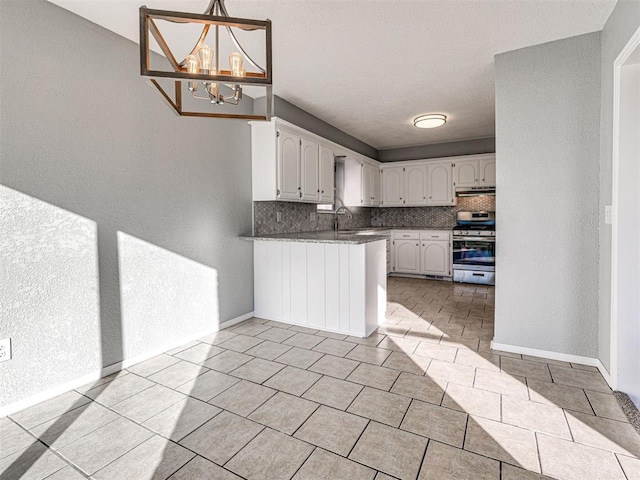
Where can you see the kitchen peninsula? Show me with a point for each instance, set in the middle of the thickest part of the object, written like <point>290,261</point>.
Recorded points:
<point>326,280</point>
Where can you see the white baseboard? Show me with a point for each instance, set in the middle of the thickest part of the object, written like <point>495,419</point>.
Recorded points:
<point>113,368</point>
<point>564,357</point>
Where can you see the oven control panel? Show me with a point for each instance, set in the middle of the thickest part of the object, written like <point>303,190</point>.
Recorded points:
<point>475,233</point>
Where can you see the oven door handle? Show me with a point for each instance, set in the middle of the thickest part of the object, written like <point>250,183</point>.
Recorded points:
<point>475,239</point>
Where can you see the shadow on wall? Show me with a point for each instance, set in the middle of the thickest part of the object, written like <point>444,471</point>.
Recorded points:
<point>62,322</point>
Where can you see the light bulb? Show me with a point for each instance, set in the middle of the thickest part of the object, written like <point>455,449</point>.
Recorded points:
<point>192,64</point>
<point>206,58</point>
<point>212,88</point>
<point>235,62</point>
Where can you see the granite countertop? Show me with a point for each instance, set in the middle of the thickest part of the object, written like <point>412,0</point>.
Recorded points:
<point>324,236</point>
<point>352,236</point>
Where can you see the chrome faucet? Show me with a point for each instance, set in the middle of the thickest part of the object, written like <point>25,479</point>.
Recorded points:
<point>340,211</point>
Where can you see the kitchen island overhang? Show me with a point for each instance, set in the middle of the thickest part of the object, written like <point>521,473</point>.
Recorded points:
<point>321,280</point>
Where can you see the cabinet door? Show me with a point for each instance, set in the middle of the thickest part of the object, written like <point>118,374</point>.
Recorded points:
<point>327,175</point>
<point>415,181</point>
<point>406,256</point>
<point>366,189</point>
<point>465,173</point>
<point>375,186</point>
<point>435,258</point>
<point>392,186</point>
<point>488,172</point>
<point>309,172</point>
<point>370,185</point>
<point>439,184</point>
<point>288,166</point>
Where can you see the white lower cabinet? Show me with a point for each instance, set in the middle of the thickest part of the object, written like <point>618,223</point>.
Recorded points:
<point>435,258</point>
<point>407,256</point>
<point>330,286</point>
<point>422,252</point>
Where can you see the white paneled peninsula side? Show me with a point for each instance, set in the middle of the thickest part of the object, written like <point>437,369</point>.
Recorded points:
<point>322,280</point>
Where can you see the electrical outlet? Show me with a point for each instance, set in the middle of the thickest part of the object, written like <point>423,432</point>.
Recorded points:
<point>278,217</point>
<point>5,349</point>
<point>608,214</point>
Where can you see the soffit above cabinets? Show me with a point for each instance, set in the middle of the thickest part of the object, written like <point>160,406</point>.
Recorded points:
<point>370,67</point>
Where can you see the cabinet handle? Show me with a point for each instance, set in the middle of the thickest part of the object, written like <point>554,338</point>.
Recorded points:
<point>300,194</point>
<point>322,191</point>
<point>424,198</point>
<point>483,179</point>
<point>429,197</point>
<point>417,244</point>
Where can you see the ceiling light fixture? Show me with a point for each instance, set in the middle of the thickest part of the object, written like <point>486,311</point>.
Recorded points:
<point>432,120</point>
<point>205,78</point>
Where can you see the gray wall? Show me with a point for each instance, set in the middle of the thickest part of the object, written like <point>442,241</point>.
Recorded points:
<point>622,24</point>
<point>437,150</point>
<point>303,119</point>
<point>547,144</point>
<point>118,218</point>
<point>291,113</point>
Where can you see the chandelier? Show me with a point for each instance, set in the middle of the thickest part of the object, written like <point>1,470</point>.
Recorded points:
<point>204,71</point>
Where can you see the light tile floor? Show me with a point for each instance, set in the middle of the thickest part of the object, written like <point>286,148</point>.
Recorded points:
<point>423,398</point>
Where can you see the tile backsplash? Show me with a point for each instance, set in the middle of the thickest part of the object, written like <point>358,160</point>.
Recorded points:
<point>439,217</point>
<point>296,217</point>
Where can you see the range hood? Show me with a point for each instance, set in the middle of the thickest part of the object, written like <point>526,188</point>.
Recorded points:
<point>475,191</point>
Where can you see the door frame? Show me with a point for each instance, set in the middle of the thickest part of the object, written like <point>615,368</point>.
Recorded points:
<point>623,56</point>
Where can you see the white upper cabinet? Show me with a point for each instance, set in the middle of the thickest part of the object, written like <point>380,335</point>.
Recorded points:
<point>370,185</point>
<point>288,169</point>
<point>392,186</point>
<point>479,171</point>
<point>465,173</point>
<point>290,164</point>
<point>488,172</point>
<point>440,185</point>
<point>310,171</point>
<point>375,181</point>
<point>327,175</point>
<point>415,181</point>
<point>361,182</point>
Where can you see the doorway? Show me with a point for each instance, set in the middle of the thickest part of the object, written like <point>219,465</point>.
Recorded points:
<point>625,280</point>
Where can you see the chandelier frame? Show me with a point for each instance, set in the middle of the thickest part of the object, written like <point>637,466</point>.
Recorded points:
<point>179,73</point>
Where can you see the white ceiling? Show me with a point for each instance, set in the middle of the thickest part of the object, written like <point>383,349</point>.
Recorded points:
<point>368,67</point>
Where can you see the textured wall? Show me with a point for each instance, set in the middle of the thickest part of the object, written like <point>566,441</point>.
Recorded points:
<point>437,217</point>
<point>622,24</point>
<point>296,217</point>
<point>547,145</point>
<point>437,150</point>
<point>156,200</point>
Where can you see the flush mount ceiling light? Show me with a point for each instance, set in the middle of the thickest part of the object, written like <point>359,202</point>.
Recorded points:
<point>432,120</point>
<point>201,70</point>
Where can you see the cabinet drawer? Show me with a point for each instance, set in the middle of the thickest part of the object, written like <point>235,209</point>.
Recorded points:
<point>406,235</point>
<point>435,236</point>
